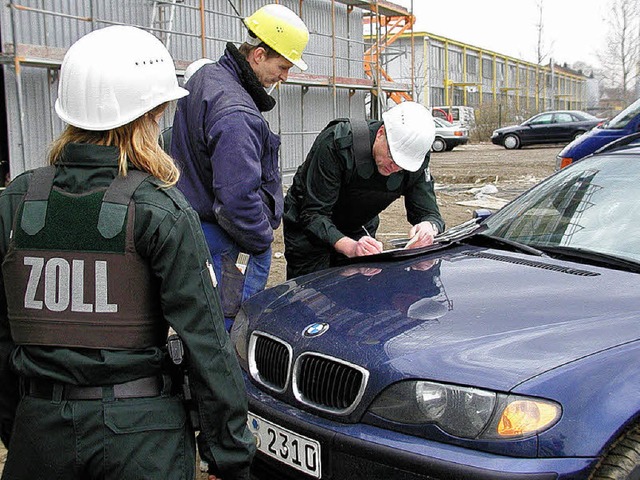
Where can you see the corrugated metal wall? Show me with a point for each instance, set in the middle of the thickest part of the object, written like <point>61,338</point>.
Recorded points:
<point>335,48</point>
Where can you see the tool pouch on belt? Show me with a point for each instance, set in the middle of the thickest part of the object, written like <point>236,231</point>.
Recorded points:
<point>232,284</point>
<point>180,372</point>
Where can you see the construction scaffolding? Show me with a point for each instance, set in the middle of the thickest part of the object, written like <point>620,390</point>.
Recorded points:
<point>35,35</point>
<point>384,30</point>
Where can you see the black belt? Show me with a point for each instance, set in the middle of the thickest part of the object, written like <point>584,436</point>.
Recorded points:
<point>139,388</point>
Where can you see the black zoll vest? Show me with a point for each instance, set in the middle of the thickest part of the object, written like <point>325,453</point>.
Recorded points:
<point>72,275</point>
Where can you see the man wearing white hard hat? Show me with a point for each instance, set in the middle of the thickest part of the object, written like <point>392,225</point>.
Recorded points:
<point>229,155</point>
<point>355,170</point>
<point>101,255</point>
<point>194,66</point>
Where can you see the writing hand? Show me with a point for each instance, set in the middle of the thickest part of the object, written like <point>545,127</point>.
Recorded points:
<point>421,235</point>
<point>368,246</point>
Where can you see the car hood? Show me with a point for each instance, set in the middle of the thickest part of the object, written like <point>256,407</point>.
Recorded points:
<point>590,142</point>
<point>468,315</point>
<point>510,128</point>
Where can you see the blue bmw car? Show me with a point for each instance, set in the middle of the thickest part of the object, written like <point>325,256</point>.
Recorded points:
<point>627,122</point>
<point>510,349</point>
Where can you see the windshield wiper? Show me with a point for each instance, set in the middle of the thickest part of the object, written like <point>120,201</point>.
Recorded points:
<point>460,231</point>
<point>484,240</point>
<point>592,257</point>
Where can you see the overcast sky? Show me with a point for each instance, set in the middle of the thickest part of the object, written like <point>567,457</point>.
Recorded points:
<point>573,30</point>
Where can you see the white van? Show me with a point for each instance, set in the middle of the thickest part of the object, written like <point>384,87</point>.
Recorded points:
<point>457,114</point>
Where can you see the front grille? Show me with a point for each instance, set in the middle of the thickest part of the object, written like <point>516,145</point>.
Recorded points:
<point>271,361</point>
<point>328,384</point>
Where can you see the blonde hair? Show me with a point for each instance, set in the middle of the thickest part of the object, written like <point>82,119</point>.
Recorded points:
<point>137,141</point>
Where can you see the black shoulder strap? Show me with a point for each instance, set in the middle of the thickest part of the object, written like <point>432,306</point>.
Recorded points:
<point>115,202</point>
<point>165,139</point>
<point>34,212</point>
<point>360,144</point>
<point>362,147</point>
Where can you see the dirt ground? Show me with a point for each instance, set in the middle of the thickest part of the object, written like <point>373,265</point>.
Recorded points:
<point>460,175</point>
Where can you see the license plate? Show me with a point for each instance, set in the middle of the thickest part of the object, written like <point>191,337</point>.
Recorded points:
<point>288,447</point>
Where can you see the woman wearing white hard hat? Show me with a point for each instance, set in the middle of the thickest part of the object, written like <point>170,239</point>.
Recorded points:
<point>101,255</point>
<point>354,170</point>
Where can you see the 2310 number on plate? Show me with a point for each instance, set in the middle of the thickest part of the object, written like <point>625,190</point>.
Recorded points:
<point>288,447</point>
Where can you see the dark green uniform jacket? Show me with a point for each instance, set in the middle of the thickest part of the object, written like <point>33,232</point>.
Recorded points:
<point>168,235</point>
<point>332,197</point>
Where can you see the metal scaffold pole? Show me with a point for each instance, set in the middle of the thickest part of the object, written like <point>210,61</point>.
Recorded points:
<point>18,77</point>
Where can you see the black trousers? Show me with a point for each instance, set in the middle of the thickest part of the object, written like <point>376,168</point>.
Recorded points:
<point>121,439</point>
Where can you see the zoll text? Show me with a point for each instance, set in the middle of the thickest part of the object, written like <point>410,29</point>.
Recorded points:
<point>64,286</point>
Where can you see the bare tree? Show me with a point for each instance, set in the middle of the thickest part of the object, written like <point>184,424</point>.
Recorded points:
<point>419,78</point>
<point>543,51</point>
<point>621,56</point>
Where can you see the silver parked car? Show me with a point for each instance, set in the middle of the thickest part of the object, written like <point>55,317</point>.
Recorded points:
<point>448,136</point>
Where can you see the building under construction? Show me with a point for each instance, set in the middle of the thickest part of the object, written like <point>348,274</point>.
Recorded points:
<point>359,54</point>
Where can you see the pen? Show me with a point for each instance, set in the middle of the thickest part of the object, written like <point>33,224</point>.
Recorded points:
<point>366,231</point>
<point>411,241</point>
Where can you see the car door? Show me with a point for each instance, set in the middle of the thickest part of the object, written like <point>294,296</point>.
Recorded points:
<point>563,127</point>
<point>539,129</point>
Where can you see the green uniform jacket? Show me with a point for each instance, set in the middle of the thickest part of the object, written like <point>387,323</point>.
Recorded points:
<point>169,236</point>
<point>331,197</point>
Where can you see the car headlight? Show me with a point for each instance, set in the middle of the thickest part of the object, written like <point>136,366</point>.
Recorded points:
<point>239,337</point>
<point>464,411</point>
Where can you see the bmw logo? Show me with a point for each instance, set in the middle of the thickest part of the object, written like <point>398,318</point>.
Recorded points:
<point>315,329</point>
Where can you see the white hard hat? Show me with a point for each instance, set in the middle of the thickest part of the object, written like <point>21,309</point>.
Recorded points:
<point>114,75</point>
<point>410,132</point>
<point>194,67</point>
<point>281,29</point>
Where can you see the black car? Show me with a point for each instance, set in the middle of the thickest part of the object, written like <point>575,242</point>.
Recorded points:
<point>548,127</point>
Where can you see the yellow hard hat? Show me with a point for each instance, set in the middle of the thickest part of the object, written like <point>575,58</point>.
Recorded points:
<point>281,29</point>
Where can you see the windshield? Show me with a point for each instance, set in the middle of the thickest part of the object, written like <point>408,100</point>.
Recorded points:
<point>592,206</point>
<point>624,117</point>
<point>585,116</point>
<point>442,123</point>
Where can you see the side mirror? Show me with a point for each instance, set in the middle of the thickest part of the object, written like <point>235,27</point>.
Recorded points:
<point>482,213</point>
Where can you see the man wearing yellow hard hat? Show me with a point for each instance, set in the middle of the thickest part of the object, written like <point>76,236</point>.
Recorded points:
<point>229,156</point>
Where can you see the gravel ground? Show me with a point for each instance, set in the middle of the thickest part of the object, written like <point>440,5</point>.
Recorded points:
<point>460,175</point>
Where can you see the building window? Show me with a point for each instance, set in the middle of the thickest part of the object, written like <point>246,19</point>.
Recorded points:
<point>437,96</point>
<point>522,75</point>
<point>455,62</point>
<point>472,65</point>
<point>437,57</point>
<point>487,68</point>
<point>512,75</point>
<point>500,72</point>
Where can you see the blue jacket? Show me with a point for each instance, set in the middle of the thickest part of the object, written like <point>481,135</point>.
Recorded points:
<point>227,153</point>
